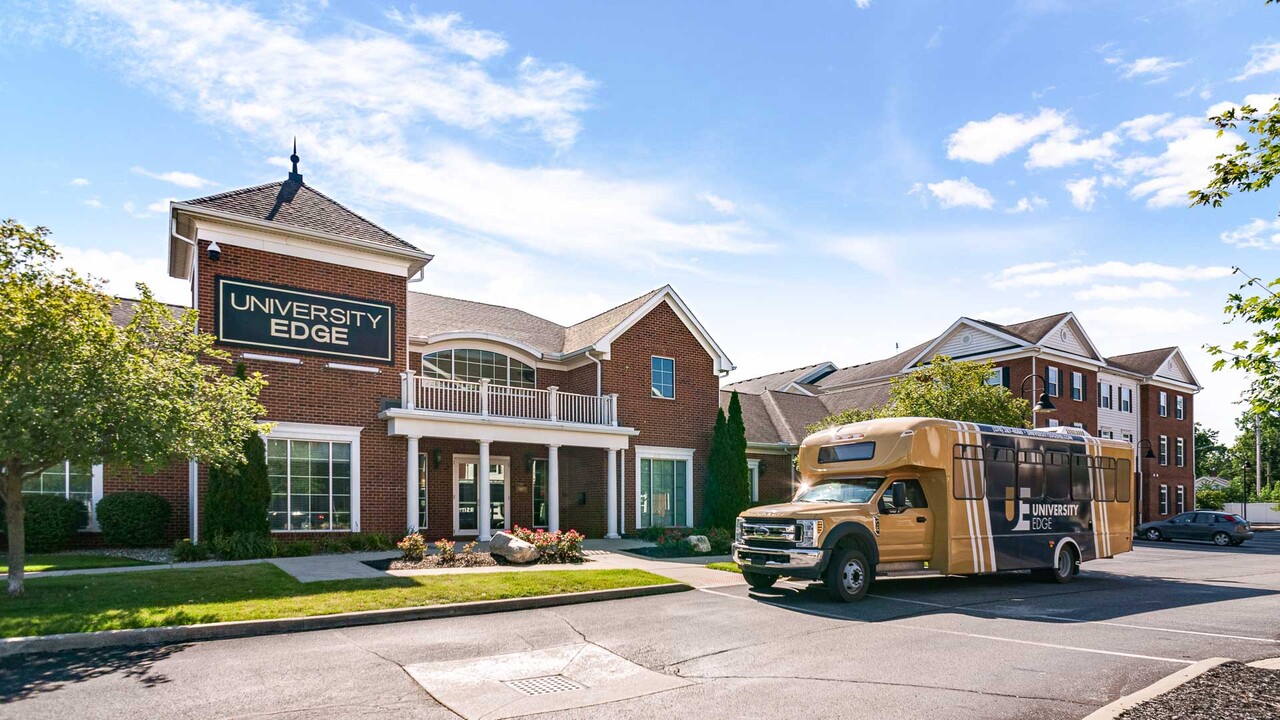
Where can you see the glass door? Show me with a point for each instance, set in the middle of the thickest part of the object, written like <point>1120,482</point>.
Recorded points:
<point>540,493</point>
<point>465,473</point>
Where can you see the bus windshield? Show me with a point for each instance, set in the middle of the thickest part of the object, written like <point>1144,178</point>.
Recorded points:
<point>841,490</point>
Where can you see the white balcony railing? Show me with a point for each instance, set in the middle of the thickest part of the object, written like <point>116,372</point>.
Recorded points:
<point>487,399</point>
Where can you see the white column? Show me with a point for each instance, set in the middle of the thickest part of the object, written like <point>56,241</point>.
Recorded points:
<point>553,488</point>
<point>611,503</point>
<point>483,511</point>
<point>411,488</point>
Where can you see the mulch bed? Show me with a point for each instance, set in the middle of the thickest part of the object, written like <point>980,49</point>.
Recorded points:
<point>1231,691</point>
<point>479,559</point>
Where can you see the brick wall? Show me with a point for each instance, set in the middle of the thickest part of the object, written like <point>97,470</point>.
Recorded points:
<point>1067,411</point>
<point>775,484</point>
<point>1155,475</point>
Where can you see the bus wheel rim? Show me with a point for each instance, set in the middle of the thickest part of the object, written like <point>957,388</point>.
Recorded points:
<point>1064,563</point>
<point>852,577</point>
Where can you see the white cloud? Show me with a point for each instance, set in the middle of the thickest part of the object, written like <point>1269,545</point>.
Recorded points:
<point>1264,58</point>
<point>1191,149</point>
<point>158,207</point>
<point>1054,274</point>
<point>181,179</point>
<point>1153,69</point>
<point>1028,204</point>
<point>985,141</point>
<point>94,203</point>
<point>1155,290</point>
<point>1259,234</point>
<point>935,40</point>
<point>1061,149</point>
<point>862,4</point>
<point>961,193</point>
<point>719,204</point>
<point>119,273</point>
<point>80,182</point>
<point>1083,193</point>
<point>1141,128</point>
<point>870,253</point>
<point>451,32</point>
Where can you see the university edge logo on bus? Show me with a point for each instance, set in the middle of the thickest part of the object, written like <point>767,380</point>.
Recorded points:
<point>261,315</point>
<point>1039,516</point>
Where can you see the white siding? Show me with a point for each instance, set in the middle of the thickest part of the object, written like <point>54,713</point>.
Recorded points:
<point>1112,419</point>
<point>1068,339</point>
<point>1174,370</point>
<point>979,341</point>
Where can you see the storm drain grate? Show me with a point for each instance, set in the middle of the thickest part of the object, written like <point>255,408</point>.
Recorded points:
<point>544,685</point>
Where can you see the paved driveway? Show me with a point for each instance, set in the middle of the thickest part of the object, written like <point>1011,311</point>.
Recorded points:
<point>996,647</point>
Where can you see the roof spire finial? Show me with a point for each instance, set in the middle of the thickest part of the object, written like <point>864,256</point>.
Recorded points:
<point>294,175</point>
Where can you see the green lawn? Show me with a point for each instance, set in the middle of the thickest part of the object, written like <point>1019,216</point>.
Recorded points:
<point>725,566</point>
<point>59,561</point>
<point>111,601</point>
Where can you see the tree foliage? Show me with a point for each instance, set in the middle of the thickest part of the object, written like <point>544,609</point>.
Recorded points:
<point>728,488</point>
<point>75,386</point>
<point>948,389</point>
<point>1213,459</point>
<point>239,493</point>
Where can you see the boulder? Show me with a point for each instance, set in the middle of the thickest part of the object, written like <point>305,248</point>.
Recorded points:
<point>700,543</point>
<point>513,549</point>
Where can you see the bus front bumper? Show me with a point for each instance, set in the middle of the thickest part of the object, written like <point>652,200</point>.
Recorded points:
<point>794,562</point>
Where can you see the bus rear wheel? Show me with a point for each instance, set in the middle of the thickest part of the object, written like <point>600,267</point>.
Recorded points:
<point>1063,570</point>
<point>849,575</point>
<point>759,581</point>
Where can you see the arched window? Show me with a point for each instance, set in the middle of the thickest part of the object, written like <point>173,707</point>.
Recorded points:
<point>474,365</point>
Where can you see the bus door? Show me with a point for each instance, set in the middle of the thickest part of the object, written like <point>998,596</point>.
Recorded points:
<point>906,531</point>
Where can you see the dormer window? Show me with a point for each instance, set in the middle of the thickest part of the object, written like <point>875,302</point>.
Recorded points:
<point>472,365</point>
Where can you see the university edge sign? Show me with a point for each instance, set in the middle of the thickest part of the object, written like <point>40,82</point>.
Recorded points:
<point>277,317</point>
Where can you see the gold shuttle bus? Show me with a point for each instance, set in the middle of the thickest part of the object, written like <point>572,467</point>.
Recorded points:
<point>922,496</point>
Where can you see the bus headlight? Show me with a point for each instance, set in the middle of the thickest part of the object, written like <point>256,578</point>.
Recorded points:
<point>737,530</point>
<point>808,532</point>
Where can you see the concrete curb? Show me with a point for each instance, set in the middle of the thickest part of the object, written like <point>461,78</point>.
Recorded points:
<point>248,628</point>
<point>1159,687</point>
<point>1268,664</point>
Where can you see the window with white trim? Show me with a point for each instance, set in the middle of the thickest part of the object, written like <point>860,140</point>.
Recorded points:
<point>1126,400</point>
<point>1182,499</point>
<point>1077,386</point>
<point>72,481</point>
<point>753,469</point>
<point>313,483</point>
<point>1053,422</point>
<point>1180,452</point>
<point>1078,425</point>
<point>473,365</point>
<point>423,459</point>
<point>1179,408</point>
<point>1164,449</point>
<point>664,492</point>
<point>1164,499</point>
<point>1104,395</point>
<point>663,377</point>
<point>1164,404</point>
<point>995,377</point>
<point>1054,381</point>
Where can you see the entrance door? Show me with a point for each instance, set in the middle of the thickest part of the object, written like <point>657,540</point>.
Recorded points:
<point>466,470</point>
<point>906,535</point>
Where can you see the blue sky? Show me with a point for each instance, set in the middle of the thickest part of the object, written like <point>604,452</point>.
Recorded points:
<point>820,183</point>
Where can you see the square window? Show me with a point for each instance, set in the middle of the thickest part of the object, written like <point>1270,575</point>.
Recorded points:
<point>663,377</point>
<point>310,485</point>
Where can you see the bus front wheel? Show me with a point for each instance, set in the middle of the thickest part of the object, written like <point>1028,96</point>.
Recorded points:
<point>849,575</point>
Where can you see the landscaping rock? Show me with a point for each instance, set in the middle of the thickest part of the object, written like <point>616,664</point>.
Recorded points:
<point>513,549</point>
<point>700,543</point>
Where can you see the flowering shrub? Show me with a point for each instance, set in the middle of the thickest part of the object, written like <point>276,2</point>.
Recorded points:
<point>470,548</point>
<point>445,551</point>
<point>412,547</point>
<point>721,541</point>
<point>561,546</point>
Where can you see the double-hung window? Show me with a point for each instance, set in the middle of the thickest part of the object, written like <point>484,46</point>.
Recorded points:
<point>1180,452</point>
<point>1126,400</point>
<point>1164,404</point>
<point>1164,499</point>
<point>1164,449</point>
<point>1053,381</point>
<point>1182,499</point>
<point>72,481</point>
<point>1077,386</point>
<point>1104,395</point>
<point>662,371</point>
<point>314,473</point>
<point>1179,408</point>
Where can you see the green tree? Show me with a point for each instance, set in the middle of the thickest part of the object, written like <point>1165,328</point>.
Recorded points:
<point>713,496</point>
<point>75,386</point>
<point>239,493</point>
<point>1213,459</point>
<point>1210,499</point>
<point>738,487</point>
<point>947,389</point>
<point>1250,168</point>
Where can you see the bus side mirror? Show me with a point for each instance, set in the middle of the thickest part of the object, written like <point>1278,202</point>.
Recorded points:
<point>899,490</point>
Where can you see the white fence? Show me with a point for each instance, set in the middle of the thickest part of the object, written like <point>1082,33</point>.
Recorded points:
<point>487,399</point>
<point>1256,513</point>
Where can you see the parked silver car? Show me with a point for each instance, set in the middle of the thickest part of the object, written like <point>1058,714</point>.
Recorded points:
<point>1219,528</point>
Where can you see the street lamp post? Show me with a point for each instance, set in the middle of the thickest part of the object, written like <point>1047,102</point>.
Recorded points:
<point>1043,404</point>
<point>1142,475</point>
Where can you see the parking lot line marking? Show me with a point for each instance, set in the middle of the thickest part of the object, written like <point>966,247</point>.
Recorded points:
<point>1095,651</point>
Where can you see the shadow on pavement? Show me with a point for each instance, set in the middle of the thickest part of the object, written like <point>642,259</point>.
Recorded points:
<point>23,676</point>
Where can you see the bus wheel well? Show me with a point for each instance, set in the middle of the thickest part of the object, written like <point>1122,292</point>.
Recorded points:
<point>858,538</point>
<point>1069,545</point>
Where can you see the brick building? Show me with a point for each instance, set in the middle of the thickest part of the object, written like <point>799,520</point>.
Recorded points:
<point>1145,398</point>
<point>394,409</point>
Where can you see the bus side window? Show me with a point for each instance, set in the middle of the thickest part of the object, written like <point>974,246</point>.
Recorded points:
<point>1124,480</point>
<point>966,475</point>
<point>1000,470</point>
<point>1107,469</point>
<point>1031,472</point>
<point>1057,475</point>
<point>1081,487</point>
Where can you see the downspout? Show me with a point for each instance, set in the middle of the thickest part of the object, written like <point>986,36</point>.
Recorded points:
<point>596,360</point>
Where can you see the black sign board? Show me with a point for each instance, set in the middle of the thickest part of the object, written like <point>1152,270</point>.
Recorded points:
<point>299,321</point>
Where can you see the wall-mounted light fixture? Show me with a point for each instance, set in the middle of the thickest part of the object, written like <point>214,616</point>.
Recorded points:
<point>215,252</point>
<point>437,455</point>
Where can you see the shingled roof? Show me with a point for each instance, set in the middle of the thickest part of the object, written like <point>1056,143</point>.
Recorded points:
<point>775,381</point>
<point>874,369</point>
<point>293,204</point>
<point>1145,363</point>
<point>436,314</point>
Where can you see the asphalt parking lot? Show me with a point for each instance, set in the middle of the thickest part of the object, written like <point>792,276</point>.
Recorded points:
<point>993,647</point>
